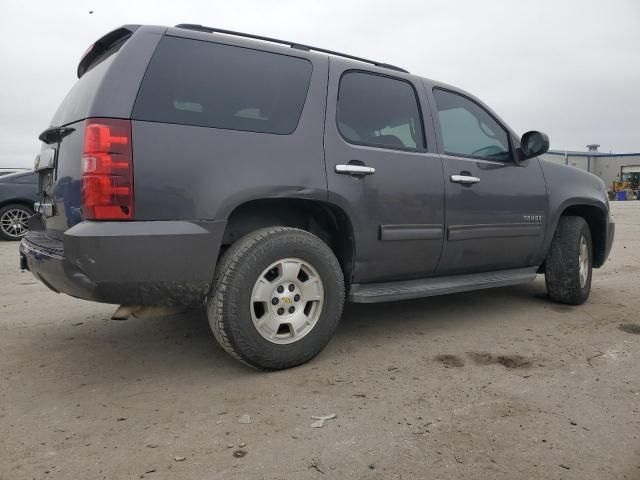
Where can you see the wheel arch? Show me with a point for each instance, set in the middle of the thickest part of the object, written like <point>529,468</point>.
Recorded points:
<point>595,214</point>
<point>326,220</point>
<point>17,201</point>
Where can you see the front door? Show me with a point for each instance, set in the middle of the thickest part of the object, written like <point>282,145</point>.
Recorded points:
<point>384,171</point>
<point>495,208</point>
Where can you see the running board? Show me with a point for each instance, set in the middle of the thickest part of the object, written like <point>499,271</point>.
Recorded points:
<point>428,287</point>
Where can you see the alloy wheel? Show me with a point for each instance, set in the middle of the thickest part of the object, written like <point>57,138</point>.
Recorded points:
<point>287,300</point>
<point>14,222</point>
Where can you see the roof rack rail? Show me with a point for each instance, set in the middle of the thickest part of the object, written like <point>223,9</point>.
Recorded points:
<point>298,46</point>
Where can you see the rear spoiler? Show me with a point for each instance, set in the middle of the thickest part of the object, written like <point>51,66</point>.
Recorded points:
<point>103,47</point>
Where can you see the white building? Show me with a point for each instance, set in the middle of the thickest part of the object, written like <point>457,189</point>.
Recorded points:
<point>608,166</point>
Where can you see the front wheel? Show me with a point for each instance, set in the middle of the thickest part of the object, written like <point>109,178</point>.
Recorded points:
<point>277,298</point>
<point>568,266</point>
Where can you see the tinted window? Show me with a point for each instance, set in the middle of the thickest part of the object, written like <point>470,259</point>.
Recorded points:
<point>379,111</point>
<point>212,85</point>
<point>468,130</point>
<point>78,101</point>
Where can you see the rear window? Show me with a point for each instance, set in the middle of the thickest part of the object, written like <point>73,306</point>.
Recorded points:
<point>78,101</point>
<point>205,84</point>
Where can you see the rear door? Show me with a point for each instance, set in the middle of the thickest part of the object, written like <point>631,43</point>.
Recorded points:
<point>495,208</point>
<point>383,170</point>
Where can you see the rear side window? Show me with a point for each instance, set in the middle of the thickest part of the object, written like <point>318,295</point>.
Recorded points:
<point>379,111</point>
<point>469,130</point>
<point>205,84</point>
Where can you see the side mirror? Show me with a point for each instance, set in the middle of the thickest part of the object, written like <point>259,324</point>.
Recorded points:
<point>533,144</point>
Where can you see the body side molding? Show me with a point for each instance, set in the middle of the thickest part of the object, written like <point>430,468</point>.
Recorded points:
<point>411,232</point>
<point>493,230</point>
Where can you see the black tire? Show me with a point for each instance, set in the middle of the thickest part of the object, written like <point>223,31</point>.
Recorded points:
<point>6,230</point>
<point>562,266</point>
<point>229,305</point>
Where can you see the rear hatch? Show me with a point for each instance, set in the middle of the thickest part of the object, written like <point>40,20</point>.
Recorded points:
<point>86,153</point>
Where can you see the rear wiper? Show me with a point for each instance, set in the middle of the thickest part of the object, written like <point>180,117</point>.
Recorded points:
<point>55,134</point>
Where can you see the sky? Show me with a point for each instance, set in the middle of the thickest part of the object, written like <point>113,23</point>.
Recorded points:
<point>568,68</point>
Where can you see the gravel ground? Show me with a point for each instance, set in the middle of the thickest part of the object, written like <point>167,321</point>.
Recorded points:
<point>497,384</point>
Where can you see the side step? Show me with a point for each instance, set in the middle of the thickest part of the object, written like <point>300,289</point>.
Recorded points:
<point>429,287</point>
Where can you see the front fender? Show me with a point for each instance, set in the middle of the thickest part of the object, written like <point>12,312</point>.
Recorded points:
<point>571,187</point>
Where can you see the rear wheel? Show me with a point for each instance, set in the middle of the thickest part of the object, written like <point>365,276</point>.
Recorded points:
<point>568,266</point>
<point>277,298</point>
<point>14,220</point>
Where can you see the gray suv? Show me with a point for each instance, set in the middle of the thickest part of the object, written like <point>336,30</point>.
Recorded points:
<point>272,181</point>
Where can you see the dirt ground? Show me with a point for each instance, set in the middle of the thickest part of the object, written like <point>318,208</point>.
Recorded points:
<point>497,384</point>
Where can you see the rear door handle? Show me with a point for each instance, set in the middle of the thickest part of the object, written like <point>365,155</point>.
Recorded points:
<point>464,179</point>
<point>355,170</point>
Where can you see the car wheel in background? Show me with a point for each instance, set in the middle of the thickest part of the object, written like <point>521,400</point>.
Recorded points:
<point>14,221</point>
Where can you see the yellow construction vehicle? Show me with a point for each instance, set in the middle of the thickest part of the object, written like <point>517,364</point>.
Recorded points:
<point>628,185</point>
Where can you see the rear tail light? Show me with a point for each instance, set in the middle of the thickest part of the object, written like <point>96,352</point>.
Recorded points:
<point>107,170</point>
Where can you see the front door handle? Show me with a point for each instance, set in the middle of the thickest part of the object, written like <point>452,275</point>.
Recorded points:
<point>464,179</point>
<point>355,170</point>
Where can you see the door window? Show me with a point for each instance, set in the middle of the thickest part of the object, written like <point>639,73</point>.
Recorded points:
<point>379,111</point>
<point>468,130</point>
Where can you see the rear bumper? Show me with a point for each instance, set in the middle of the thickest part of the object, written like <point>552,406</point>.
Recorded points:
<point>130,263</point>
